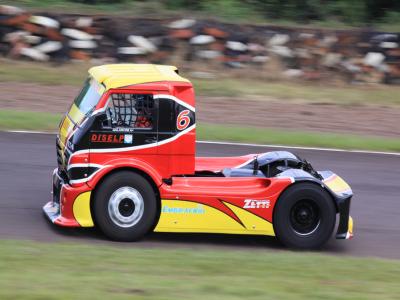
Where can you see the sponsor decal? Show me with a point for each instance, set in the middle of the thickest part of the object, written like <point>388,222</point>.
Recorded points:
<point>128,139</point>
<point>183,120</point>
<point>107,138</point>
<point>123,129</point>
<point>180,210</point>
<point>250,203</point>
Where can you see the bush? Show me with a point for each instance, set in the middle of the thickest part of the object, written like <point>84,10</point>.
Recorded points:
<point>354,12</point>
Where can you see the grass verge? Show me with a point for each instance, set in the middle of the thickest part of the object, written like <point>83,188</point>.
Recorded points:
<point>236,88</point>
<point>295,138</point>
<point>30,270</point>
<point>21,120</point>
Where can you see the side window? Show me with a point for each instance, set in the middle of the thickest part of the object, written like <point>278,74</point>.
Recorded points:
<point>130,111</point>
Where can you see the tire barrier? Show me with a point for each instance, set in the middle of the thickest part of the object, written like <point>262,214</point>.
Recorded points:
<point>204,46</point>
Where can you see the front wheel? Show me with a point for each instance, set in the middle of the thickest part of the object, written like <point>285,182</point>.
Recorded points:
<point>304,216</point>
<point>125,206</point>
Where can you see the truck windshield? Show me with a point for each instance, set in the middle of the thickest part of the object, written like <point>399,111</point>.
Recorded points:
<point>88,97</point>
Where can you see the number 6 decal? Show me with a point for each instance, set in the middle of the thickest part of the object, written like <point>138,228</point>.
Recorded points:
<point>183,119</point>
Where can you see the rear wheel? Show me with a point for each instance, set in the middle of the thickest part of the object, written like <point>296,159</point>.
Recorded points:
<point>304,216</point>
<point>125,206</point>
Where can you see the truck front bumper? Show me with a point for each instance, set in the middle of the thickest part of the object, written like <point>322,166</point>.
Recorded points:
<point>70,206</point>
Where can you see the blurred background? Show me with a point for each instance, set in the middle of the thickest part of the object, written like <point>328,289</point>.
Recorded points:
<point>314,73</point>
<point>292,69</point>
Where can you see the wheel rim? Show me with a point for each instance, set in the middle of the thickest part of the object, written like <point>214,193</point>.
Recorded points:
<point>305,217</point>
<point>126,206</point>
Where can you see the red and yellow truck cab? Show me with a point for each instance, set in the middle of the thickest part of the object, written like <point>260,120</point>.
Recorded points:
<point>126,163</point>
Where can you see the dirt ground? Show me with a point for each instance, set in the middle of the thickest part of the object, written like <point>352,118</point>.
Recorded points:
<point>272,113</point>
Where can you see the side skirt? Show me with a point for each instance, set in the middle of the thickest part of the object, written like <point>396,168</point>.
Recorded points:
<point>189,216</point>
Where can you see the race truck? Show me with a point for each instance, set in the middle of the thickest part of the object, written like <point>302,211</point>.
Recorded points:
<point>126,154</point>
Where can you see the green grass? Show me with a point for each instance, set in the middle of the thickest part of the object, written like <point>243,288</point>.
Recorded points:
<point>22,120</point>
<point>17,120</point>
<point>295,138</point>
<point>31,270</point>
<point>132,8</point>
<point>48,74</point>
<point>236,88</point>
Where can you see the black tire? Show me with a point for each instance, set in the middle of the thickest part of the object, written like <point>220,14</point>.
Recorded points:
<point>145,208</point>
<point>304,216</point>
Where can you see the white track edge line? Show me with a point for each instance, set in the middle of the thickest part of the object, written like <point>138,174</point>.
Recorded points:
<point>30,131</point>
<point>249,144</point>
<point>300,148</point>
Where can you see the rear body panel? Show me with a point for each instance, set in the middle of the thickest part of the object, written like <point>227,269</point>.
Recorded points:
<point>220,205</point>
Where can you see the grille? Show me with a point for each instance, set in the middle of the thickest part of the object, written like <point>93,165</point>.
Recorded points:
<point>59,155</point>
<point>56,192</point>
<point>61,163</point>
<point>67,155</point>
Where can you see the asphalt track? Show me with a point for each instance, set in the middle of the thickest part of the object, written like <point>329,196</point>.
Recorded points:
<point>26,162</point>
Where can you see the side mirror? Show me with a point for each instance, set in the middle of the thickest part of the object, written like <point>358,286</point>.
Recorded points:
<point>103,120</point>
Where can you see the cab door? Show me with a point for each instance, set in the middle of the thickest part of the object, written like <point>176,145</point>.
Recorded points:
<point>176,135</point>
